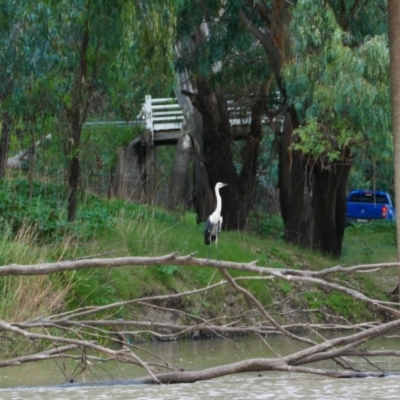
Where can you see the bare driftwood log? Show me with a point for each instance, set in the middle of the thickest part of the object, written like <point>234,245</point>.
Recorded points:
<point>75,334</point>
<point>16,162</point>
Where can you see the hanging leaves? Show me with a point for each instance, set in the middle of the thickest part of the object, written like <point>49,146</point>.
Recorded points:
<point>340,90</point>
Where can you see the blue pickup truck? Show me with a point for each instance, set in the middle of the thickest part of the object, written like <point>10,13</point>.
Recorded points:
<point>367,205</point>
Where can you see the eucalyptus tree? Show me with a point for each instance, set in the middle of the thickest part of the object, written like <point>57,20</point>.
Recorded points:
<point>96,45</point>
<point>82,44</point>
<point>230,79</point>
<point>337,81</point>
<point>21,64</point>
<point>329,62</point>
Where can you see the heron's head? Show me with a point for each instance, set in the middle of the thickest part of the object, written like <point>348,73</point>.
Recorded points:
<point>220,185</point>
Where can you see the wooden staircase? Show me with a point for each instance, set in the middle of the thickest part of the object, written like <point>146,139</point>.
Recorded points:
<point>135,175</point>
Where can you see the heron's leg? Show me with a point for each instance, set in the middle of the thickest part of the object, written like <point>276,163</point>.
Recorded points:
<point>216,248</point>
<point>218,259</point>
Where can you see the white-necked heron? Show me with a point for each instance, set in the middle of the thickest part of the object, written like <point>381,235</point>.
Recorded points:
<point>214,221</point>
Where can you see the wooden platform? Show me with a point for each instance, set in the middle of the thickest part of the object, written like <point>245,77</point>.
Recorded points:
<point>135,175</point>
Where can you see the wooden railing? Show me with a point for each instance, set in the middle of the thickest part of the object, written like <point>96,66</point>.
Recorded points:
<point>162,114</point>
<point>166,115</point>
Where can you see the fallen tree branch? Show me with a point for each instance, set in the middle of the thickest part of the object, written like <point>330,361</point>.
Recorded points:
<point>16,162</point>
<point>262,310</point>
<point>43,355</point>
<point>80,333</point>
<point>174,258</point>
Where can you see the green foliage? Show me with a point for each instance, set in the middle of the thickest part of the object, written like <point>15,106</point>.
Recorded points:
<point>45,211</point>
<point>167,274</point>
<point>361,244</point>
<point>99,144</point>
<point>268,167</point>
<point>266,225</point>
<point>286,287</point>
<point>166,270</point>
<point>228,56</point>
<point>340,303</point>
<point>340,90</point>
<point>92,288</point>
<point>338,83</point>
<point>116,228</point>
<point>361,19</point>
<point>17,209</point>
<point>314,299</point>
<point>64,61</point>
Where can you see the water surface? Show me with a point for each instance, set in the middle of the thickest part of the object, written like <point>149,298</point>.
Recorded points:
<point>30,381</point>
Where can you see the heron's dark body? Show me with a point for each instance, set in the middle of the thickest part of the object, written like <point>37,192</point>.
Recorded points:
<point>212,231</point>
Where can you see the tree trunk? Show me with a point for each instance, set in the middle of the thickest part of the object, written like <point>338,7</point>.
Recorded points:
<point>32,157</point>
<point>329,207</point>
<point>180,187</point>
<point>312,196</point>
<point>74,173</point>
<point>74,166</point>
<point>202,196</point>
<point>285,162</point>
<point>217,150</point>
<point>393,7</point>
<point>294,187</point>
<point>179,191</point>
<point>4,142</point>
<point>218,162</point>
<point>341,203</point>
<point>297,183</point>
<point>247,178</point>
<point>77,115</point>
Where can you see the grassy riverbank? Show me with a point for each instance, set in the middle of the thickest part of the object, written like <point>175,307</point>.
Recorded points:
<point>34,230</point>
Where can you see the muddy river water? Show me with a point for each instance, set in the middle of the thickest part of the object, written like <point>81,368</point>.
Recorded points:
<point>40,380</point>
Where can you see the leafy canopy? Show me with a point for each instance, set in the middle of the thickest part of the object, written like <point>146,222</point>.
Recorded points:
<point>338,84</point>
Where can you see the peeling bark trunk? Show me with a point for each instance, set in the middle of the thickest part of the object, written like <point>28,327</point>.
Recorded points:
<point>294,187</point>
<point>180,187</point>
<point>217,150</point>
<point>218,156</point>
<point>202,195</point>
<point>179,192</point>
<point>330,207</point>
<point>312,196</point>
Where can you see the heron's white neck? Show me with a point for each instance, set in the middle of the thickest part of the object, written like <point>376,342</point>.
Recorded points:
<point>217,211</point>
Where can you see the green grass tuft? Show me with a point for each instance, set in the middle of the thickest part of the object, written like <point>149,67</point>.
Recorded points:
<point>35,229</point>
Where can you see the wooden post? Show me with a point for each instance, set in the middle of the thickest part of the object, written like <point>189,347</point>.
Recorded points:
<point>119,174</point>
<point>149,167</point>
<point>128,182</point>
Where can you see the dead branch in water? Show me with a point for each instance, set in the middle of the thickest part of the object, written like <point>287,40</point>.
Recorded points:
<point>78,334</point>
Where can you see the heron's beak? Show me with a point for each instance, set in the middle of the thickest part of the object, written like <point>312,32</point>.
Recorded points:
<point>225,184</point>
